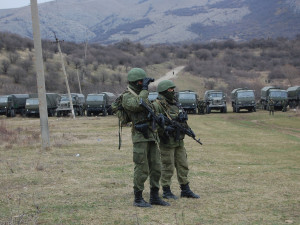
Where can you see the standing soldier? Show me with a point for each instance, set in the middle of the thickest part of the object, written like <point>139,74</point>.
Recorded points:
<point>146,154</point>
<point>284,105</point>
<point>173,152</point>
<point>201,106</point>
<point>271,107</point>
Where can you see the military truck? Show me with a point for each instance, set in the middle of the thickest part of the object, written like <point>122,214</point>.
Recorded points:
<point>215,100</point>
<point>152,96</point>
<point>99,103</point>
<point>293,96</point>
<point>32,104</point>
<point>278,96</point>
<point>188,100</point>
<point>64,106</point>
<point>13,104</point>
<point>243,98</point>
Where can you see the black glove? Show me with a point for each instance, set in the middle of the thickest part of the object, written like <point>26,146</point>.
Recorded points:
<point>182,117</point>
<point>146,82</point>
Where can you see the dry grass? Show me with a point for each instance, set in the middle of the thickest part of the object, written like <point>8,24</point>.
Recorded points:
<point>247,172</point>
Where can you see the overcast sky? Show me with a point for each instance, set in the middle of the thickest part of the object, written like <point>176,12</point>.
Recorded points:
<point>7,4</point>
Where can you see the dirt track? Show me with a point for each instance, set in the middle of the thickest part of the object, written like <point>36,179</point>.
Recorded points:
<point>169,75</point>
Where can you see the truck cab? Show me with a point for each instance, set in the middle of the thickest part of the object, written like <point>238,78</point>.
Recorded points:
<point>243,98</point>
<point>64,106</point>
<point>99,103</point>
<point>188,100</point>
<point>215,100</point>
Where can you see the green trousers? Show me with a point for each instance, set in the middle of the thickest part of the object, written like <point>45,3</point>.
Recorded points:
<point>171,158</point>
<point>146,158</point>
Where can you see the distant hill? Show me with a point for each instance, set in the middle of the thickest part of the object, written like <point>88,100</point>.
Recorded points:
<point>156,21</point>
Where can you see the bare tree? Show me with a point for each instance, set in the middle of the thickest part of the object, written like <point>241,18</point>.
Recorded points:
<point>5,64</point>
<point>17,73</point>
<point>13,57</point>
<point>290,72</point>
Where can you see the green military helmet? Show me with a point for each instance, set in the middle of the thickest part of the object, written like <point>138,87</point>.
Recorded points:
<point>165,85</point>
<point>136,74</point>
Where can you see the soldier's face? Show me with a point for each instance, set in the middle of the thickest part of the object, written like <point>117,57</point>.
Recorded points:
<point>171,90</point>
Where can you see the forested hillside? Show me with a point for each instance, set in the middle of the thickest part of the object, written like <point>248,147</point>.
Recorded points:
<point>215,65</point>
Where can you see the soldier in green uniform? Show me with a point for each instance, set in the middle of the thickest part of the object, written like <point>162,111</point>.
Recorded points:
<point>271,107</point>
<point>146,154</point>
<point>284,105</point>
<point>173,152</point>
<point>201,106</point>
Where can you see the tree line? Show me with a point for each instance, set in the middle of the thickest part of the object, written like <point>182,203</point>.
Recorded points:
<point>104,68</point>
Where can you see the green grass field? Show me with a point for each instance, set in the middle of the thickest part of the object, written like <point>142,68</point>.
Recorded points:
<point>246,172</point>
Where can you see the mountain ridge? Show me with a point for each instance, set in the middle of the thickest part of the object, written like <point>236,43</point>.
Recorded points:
<point>152,22</point>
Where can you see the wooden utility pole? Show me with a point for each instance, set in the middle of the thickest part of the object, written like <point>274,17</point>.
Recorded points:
<point>40,75</point>
<point>78,81</point>
<point>65,73</point>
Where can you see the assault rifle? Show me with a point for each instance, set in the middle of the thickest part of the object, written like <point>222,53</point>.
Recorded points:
<point>159,119</point>
<point>177,126</point>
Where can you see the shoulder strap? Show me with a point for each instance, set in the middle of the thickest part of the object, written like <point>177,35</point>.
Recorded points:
<point>131,91</point>
<point>164,109</point>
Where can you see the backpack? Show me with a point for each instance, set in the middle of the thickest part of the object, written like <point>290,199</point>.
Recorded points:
<point>123,117</point>
<point>118,109</point>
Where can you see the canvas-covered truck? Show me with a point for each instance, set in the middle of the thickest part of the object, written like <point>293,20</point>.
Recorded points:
<point>64,106</point>
<point>293,96</point>
<point>13,104</point>
<point>278,96</point>
<point>215,100</point>
<point>32,105</point>
<point>243,98</point>
<point>188,100</point>
<point>99,103</point>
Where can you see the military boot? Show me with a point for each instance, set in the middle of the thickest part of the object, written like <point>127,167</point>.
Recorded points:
<point>186,192</point>
<point>139,201</point>
<point>155,199</point>
<point>167,193</point>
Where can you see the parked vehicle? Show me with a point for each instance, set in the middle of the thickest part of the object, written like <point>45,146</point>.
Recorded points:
<point>64,106</point>
<point>152,96</point>
<point>13,104</point>
<point>99,103</point>
<point>278,96</point>
<point>243,98</point>
<point>293,96</point>
<point>32,105</point>
<point>188,100</point>
<point>215,100</point>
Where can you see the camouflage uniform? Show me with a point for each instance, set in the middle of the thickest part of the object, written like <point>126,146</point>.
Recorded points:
<point>284,105</point>
<point>201,107</point>
<point>146,154</point>
<point>145,150</point>
<point>173,152</point>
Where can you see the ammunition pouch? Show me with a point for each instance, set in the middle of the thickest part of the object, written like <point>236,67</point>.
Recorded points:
<point>143,128</point>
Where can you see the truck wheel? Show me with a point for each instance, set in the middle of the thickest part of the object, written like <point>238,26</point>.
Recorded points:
<point>58,114</point>
<point>237,109</point>
<point>225,109</point>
